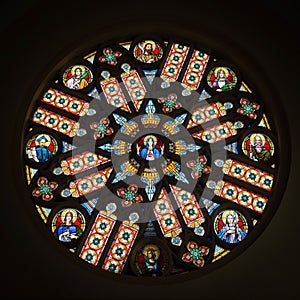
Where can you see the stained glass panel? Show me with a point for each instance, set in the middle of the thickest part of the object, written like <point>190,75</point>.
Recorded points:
<point>150,157</point>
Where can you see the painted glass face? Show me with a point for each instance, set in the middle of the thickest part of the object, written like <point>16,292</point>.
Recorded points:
<point>150,157</point>
<point>221,79</point>
<point>258,147</point>
<point>77,77</point>
<point>150,147</point>
<point>148,51</point>
<point>41,147</point>
<point>230,226</point>
<point>68,224</point>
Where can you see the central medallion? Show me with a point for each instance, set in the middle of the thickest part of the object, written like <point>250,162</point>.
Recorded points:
<point>150,147</point>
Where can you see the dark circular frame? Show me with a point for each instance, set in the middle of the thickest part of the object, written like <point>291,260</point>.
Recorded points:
<point>202,40</point>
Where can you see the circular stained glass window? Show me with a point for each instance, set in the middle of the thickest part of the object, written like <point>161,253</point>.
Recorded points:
<point>151,157</point>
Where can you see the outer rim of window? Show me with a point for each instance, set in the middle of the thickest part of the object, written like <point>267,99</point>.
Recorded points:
<point>202,38</point>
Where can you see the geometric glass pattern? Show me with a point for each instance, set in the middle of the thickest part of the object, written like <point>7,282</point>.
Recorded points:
<point>150,157</point>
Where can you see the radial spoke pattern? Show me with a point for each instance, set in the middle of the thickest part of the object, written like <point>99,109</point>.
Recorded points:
<point>150,157</point>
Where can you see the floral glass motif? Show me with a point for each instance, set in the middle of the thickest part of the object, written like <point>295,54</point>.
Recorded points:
<point>124,141</point>
<point>110,56</point>
<point>129,195</point>
<point>195,254</point>
<point>199,166</point>
<point>101,128</point>
<point>169,103</point>
<point>44,189</point>
<point>248,108</point>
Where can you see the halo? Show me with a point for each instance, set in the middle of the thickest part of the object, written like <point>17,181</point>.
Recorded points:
<point>65,211</point>
<point>73,68</point>
<point>221,68</point>
<point>143,43</point>
<point>229,212</point>
<point>151,247</point>
<point>147,137</point>
<point>253,135</point>
<point>45,136</point>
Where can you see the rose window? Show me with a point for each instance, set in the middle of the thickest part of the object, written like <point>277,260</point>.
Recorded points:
<point>151,157</point>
